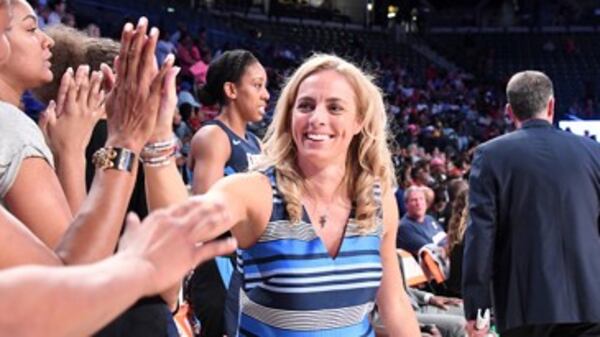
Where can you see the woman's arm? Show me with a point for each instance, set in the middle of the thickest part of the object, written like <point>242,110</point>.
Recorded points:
<point>132,109</point>
<point>20,246</point>
<point>394,305</point>
<point>37,199</point>
<point>209,152</point>
<point>84,298</point>
<point>67,126</point>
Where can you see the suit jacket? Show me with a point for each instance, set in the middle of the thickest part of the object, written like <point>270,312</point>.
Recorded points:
<point>532,244</point>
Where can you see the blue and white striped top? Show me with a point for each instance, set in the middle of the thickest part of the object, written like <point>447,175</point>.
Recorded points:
<point>292,287</point>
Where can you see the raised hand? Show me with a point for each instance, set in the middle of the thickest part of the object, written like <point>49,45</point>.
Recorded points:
<point>132,105</point>
<point>168,103</point>
<point>170,242</point>
<point>68,123</point>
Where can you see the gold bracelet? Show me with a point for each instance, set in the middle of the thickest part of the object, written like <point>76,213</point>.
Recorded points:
<point>116,158</point>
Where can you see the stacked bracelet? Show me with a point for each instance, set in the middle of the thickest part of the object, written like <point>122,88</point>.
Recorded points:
<point>158,161</point>
<point>159,147</point>
<point>159,153</point>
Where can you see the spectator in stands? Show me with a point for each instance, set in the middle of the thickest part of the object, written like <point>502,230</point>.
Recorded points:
<point>135,125</point>
<point>124,278</point>
<point>187,54</point>
<point>71,49</point>
<point>58,9</point>
<point>92,30</point>
<point>28,161</point>
<point>164,46</point>
<point>417,229</point>
<point>445,313</point>
<point>456,232</point>
<point>69,20</point>
<point>237,83</point>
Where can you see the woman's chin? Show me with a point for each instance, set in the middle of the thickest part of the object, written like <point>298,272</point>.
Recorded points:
<point>46,78</point>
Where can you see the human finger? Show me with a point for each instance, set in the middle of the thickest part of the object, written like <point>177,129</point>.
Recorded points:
<point>135,51</point>
<point>126,39</point>
<point>63,89</point>
<point>148,67</point>
<point>82,81</point>
<point>108,77</point>
<point>213,249</point>
<point>96,92</point>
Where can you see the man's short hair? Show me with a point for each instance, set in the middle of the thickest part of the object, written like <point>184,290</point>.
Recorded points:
<point>413,189</point>
<point>528,93</point>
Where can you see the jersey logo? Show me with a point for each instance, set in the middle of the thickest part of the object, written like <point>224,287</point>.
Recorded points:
<point>253,159</point>
<point>236,142</point>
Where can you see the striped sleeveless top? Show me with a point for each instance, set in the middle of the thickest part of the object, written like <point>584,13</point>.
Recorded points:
<point>291,287</point>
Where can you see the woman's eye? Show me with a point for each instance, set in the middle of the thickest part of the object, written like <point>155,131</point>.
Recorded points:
<point>336,108</point>
<point>304,106</point>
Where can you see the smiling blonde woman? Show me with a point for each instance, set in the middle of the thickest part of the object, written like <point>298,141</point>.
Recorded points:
<point>316,222</point>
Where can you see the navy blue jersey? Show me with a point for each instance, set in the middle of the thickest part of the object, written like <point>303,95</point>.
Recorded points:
<point>242,150</point>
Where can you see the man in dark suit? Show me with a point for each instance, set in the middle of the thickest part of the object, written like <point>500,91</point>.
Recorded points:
<point>532,245</point>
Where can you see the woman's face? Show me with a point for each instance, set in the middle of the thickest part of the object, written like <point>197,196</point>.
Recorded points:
<point>324,118</point>
<point>5,21</point>
<point>252,96</point>
<point>29,60</point>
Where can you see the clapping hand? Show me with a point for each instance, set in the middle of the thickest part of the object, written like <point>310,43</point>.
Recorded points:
<point>135,90</point>
<point>68,123</point>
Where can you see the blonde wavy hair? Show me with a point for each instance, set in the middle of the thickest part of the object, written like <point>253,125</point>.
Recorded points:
<point>369,158</point>
<point>458,220</point>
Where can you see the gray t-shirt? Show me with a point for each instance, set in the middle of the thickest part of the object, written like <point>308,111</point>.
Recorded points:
<point>20,138</point>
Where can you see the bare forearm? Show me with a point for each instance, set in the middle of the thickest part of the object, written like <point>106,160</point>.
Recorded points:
<point>70,170</point>
<point>399,318</point>
<point>94,233</point>
<point>164,186</point>
<point>93,294</point>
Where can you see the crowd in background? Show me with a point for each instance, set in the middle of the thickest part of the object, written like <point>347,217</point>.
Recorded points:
<point>436,117</point>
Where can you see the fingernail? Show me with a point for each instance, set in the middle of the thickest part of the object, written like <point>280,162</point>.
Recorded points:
<point>128,27</point>
<point>142,21</point>
<point>70,70</point>
<point>52,104</point>
<point>169,59</point>
<point>176,70</point>
<point>154,32</point>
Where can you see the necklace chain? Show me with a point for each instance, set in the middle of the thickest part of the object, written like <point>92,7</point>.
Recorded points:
<point>322,216</point>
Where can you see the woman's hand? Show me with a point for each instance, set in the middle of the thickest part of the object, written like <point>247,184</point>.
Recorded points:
<point>168,104</point>
<point>133,103</point>
<point>68,124</point>
<point>172,241</point>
